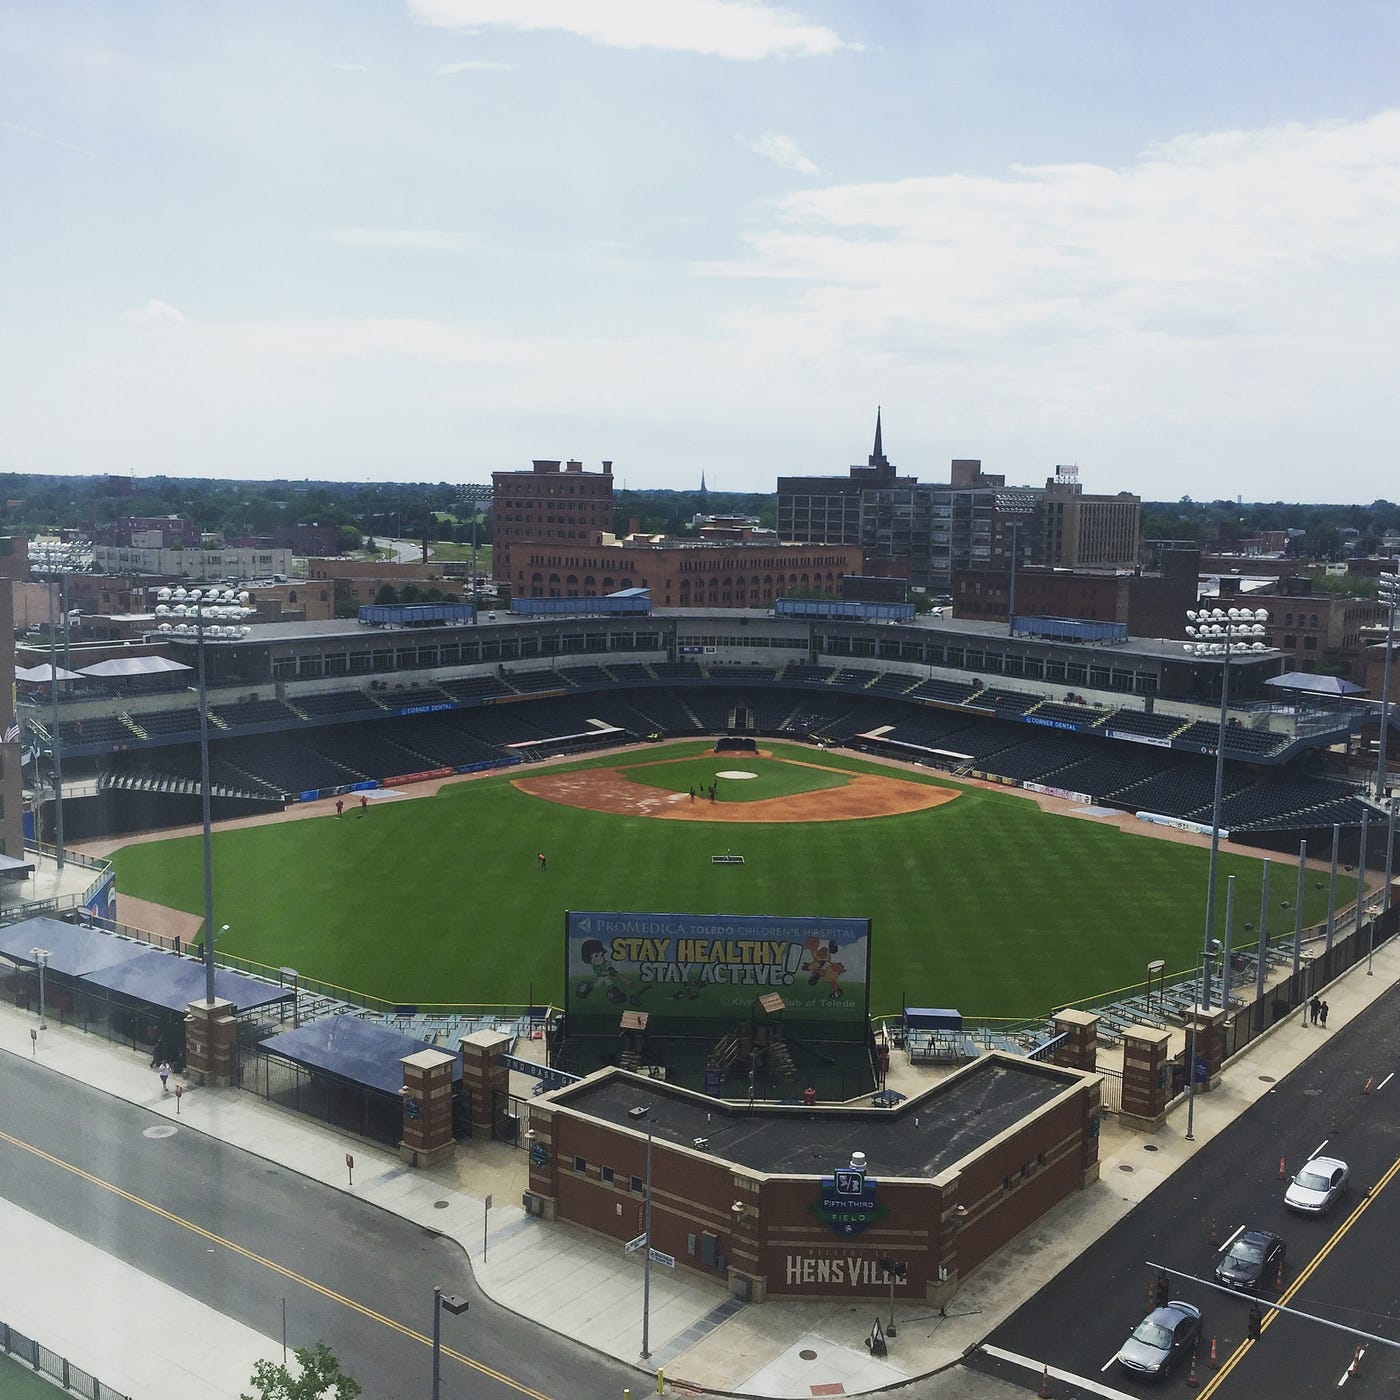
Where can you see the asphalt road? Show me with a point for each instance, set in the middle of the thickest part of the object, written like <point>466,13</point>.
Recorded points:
<point>1341,1268</point>
<point>240,1234</point>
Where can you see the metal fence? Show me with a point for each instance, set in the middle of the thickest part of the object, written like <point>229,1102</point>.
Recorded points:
<point>57,1368</point>
<point>1111,1095</point>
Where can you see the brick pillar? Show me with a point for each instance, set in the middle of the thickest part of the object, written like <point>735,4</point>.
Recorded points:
<point>949,1216</point>
<point>1146,1081</point>
<point>746,1239</point>
<point>427,1107</point>
<point>1089,1143</point>
<point>211,1038</point>
<point>1080,1048</point>
<point>485,1078</point>
<point>544,1165</point>
<point>1210,1045</point>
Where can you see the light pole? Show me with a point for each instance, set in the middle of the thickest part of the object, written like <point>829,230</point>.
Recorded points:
<point>456,1306</point>
<point>206,615</point>
<point>41,956</point>
<point>642,1111</point>
<point>1389,594</point>
<point>51,561</point>
<point>1216,632</point>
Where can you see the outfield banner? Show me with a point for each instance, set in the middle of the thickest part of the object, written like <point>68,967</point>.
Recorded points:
<point>714,966</point>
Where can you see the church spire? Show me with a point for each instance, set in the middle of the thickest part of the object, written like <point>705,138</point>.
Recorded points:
<point>878,455</point>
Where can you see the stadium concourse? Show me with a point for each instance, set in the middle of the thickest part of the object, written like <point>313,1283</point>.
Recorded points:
<point>567,1278</point>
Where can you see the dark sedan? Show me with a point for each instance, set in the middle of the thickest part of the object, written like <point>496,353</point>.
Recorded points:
<point>1161,1339</point>
<point>1255,1258</point>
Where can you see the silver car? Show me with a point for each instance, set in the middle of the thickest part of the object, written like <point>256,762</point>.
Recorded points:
<point>1316,1186</point>
<point>1161,1339</point>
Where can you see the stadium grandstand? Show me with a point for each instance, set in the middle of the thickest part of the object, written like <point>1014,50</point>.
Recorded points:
<point>304,710</point>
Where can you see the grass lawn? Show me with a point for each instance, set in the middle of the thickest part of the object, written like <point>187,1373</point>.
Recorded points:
<point>985,903</point>
<point>19,1382</point>
<point>773,779</point>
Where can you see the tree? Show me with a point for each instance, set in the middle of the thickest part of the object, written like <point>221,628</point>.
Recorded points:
<point>318,1377</point>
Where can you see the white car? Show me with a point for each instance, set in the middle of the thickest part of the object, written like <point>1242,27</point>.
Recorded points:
<point>1316,1186</point>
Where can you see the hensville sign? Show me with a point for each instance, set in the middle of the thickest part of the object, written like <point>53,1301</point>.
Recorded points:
<point>854,1270</point>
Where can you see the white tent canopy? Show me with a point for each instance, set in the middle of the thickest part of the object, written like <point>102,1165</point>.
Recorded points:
<point>126,666</point>
<point>35,675</point>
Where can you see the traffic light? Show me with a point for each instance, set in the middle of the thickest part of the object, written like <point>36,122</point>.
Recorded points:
<point>1163,1290</point>
<point>1256,1322</point>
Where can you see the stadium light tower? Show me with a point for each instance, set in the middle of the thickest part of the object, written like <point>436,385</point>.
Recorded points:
<point>1389,595</point>
<point>1217,632</point>
<point>207,615</point>
<point>51,560</point>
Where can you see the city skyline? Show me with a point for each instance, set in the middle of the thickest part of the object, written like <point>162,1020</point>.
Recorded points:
<point>429,241</point>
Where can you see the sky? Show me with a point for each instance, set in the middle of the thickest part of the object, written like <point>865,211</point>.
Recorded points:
<point>428,240</point>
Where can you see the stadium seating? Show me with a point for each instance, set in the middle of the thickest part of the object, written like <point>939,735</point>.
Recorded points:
<point>158,723</point>
<point>341,704</point>
<point>853,677</point>
<point>407,697</point>
<point>474,688</point>
<point>629,672</point>
<point>891,683</point>
<point>249,712</point>
<point>1110,769</point>
<point>1003,701</point>
<point>1085,715</point>
<point>678,670</point>
<point>585,675</point>
<point>1154,726</point>
<point>1182,791</point>
<point>807,674</point>
<point>947,692</point>
<point>1036,758</point>
<point>287,765</point>
<point>99,729</point>
<point>1238,739</point>
<point>535,682</point>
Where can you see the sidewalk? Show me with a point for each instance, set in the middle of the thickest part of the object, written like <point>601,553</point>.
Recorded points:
<point>560,1275</point>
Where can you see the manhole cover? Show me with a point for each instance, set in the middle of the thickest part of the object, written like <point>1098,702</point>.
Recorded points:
<point>161,1130</point>
<point>1124,1167</point>
<point>439,1205</point>
<point>1267,1079</point>
<point>807,1354</point>
<point>1150,1147</point>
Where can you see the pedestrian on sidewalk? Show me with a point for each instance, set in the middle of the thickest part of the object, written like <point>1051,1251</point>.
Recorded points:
<point>164,1072</point>
<point>1314,1010</point>
<point>1322,1015</point>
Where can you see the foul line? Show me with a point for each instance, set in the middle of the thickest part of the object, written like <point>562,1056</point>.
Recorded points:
<point>248,1254</point>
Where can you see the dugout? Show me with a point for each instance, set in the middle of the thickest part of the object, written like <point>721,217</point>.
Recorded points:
<point>805,1201</point>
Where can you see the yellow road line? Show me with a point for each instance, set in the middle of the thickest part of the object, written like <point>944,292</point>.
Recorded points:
<point>1287,1295</point>
<point>266,1263</point>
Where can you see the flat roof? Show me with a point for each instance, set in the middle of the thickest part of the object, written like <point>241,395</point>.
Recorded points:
<point>920,1137</point>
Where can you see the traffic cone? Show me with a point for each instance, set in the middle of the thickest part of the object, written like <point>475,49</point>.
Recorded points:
<point>1214,1364</point>
<point>1355,1366</point>
<point>1278,1282</point>
<point>1191,1377</point>
<point>1213,1237</point>
<point>1281,1169</point>
<point>1366,1088</point>
<point>1045,1382</point>
<point>1333,1128</point>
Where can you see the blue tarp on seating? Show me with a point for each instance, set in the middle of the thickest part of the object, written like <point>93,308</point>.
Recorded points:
<point>360,1052</point>
<point>173,982</point>
<point>74,949</point>
<point>136,970</point>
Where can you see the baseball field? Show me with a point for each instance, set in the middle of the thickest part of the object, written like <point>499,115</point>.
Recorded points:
<point>978,898</point>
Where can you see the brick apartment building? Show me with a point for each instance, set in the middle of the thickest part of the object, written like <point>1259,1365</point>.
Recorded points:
<point>554,503</point>
<point>1320,631</point>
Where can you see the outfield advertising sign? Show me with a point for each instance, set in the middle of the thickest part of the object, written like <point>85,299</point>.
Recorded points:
<point>714,966</point>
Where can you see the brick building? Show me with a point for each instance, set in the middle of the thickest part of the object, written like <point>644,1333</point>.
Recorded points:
<point>1320,631</point>
<point>682,574</point>
<point>1151,604</point>
<point>554,503</point>
<point>749,1194</point>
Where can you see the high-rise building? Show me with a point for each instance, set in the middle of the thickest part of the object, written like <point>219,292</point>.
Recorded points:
<point>553,503</point>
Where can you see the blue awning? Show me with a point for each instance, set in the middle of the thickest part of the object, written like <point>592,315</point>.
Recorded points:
<point>360,1052</point>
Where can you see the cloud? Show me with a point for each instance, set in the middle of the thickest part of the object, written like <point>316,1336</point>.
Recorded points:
<point>433,240</point>
<point>732,29</point>
<point>475,65</point>
<point>783,151</point>
<point>350,67</point>
<point>154,313</point>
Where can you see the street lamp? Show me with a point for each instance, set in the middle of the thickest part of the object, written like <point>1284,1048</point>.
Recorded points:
<point>1389,595</point>
<point>643,1111</point>
<point>51,560</point>
<point>41,956</point>
<point>206,615</point>
<point>1217,632</point>
<point>456,1306</point>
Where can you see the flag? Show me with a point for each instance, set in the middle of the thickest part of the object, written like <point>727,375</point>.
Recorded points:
<point>12,733</point>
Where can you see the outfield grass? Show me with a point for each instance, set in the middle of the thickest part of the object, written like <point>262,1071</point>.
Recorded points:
<point>986,903</point>
<point>772,779</point>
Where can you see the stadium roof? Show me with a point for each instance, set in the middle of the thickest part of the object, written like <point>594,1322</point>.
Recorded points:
<point>1315,685</point>
<point>360,1052</point>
